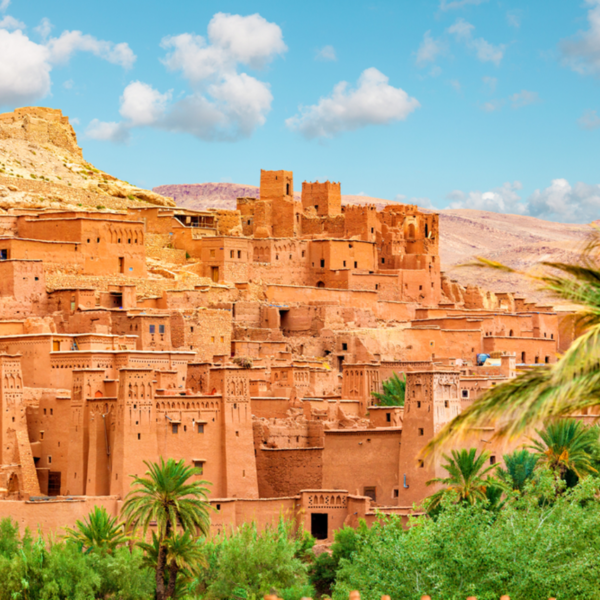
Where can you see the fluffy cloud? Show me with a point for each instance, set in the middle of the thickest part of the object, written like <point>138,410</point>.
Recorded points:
<point>44,28</point>
<point>560,201</point>
<point>485,52</point>
<point>61,49</point>
<point>372,102</point>
<point>454,4</point>
<point>429,50</point>
<point>11,23</point>
<point>582,52</point>
<point>326,53</point>
<point>224,104</point>
<point>4,5</point>
<point>589,120</point>
<point>26,66</point>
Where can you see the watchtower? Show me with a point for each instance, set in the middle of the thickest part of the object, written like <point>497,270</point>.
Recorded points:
<point>326,198</point>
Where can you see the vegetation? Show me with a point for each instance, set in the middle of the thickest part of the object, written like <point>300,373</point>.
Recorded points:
<point>520,469</point>
<point>99,531</point>
<point>549,391</point>
<point>394,390</point>
<point>168,497</point>
<point>466,480</point>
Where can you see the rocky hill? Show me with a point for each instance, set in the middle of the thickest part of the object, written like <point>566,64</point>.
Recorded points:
<point>42,166</point>
<point>519,241</point>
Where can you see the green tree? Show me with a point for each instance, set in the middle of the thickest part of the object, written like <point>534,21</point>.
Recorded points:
<point>567,446</point>
<point>97,531</point>
<point>520,468</point>
<point>394,390</point>
<point>467,478</point>
<point>167,496</point>
<point>546,391</point>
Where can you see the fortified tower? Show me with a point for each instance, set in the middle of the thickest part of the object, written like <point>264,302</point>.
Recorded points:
<point>325,198</point>
<point>432,400</point>
<point>277,192</point>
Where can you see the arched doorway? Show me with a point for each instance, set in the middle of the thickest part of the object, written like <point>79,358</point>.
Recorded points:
<point>13,484</point>
<point>320,284</point>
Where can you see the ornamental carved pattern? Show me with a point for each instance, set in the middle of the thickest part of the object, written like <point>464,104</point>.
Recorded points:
<point>237,389</point>
<point>327,501</point>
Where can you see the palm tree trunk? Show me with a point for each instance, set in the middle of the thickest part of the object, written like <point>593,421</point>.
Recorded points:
<point>173,570</point>
<point>161,564</point>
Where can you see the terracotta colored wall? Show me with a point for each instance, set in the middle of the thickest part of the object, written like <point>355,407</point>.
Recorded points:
<point>284,472</point>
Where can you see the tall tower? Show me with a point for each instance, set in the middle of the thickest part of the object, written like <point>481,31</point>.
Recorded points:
<point>326,198</point>
<point>135,428</point>
<point>277,190</point>
<point>15,449</point>
<point>432,400</point>
<point>240,477</point>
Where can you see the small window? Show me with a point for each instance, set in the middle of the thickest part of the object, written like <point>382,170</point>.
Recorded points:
<point>421,431</point>
<point>212,253</point>
<point>446,403</point>
<point>231,254</point>
<point>372,230</point>
<point>51,411</point>
<point>383,261</point>
<point>388,417</point>
<point>161,329</point>
<point>547,359</point>
<point>420,287</point>
<point>44,411</point>
<point>49,460</point>
<point>421,464</point>
<point>303,253</point>
<point>41,435</point>
<point>98,240</point>
<point>465,393</point>
<point>174,427</point>
<point>152,328</point>
<point>322,262</point>
<point>492,460</point>
<point>37,278</point>
<point>344,346</point>
<point>371,492</point>
<point>418,404</point>
<point>248,222</point>
<point>200,427</point>
<point>139,436</point>
<point>355,264</point>
<point>199,464</point>
<point>222,339</point>
<point>239,254</point>
<point>89,240</point>
<point>396,493</point>
<point>218,507</point>
<point>344,263</point>
<point>212,339</point>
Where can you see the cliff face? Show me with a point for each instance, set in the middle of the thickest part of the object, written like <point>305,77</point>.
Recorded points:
<point>42,166</point>
<point>41,126</point>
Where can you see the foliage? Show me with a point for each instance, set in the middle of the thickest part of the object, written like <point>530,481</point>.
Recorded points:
<point>167,496</point>
<point>466,482</point>
<point>520,468</point>
<point>394,390</point>
<point>31,568</point>
<point>549,391</point>
<point>567,445</point>
<point>254,562</point>
<point>98,531</point>
<point>530,550</point>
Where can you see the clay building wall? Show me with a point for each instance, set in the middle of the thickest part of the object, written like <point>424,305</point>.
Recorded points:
<point>63,253</point>
<point>325,198</point>
<point>361,222</point>
<point>156,219</point>
<point>387,285</point>
<point>386,416</point>
<point>528,350</point>
<point>153,331</point>
<point>269,407</point>
<point>285,472</point>
<point>226,258</point>
<point>207,332</point>
<point>341,254</point>
<point>69,301</point>
<point>369,463</point>
<point>428,344</point>
<point>280,261</point>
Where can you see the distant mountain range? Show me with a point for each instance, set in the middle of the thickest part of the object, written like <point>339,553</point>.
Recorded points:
<point>518,241</point>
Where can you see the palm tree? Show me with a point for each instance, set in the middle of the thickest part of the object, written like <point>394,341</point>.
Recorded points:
<point>184,559</point>
<point>168,497</point>
<point>567,445</point>
<point>98,531</point>
<point>520,467</point>
<point>545,392</point>
<point>394,390</point>
<point>467,478</point>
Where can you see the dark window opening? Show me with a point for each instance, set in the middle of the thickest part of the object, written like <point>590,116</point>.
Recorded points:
<point>371,492</point>
<point>200,427</point>
<point>161,329</point>
<point>388,417</point>
<point>322,262</point>
<point>319,525</point>
<point>174,427</point>
<point>355,265</point>
<point>344,346</point>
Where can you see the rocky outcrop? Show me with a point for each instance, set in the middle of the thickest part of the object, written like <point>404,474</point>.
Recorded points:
<point>40,126</point>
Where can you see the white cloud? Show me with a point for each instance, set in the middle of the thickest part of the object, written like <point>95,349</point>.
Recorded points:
<point>513,18</point>
<point>454,4</point>
<point>485,52</point>
<point>224,105</point>
<point>68,84</point>
<point>24,69</point>
<point>582,52</point>
<point>44,28</point>
<point>372,102</point>
<point>492,105</point>
<point>11,23</point>
<point>589,120</point>
<point>4,5</point>
<point>501,199</point>
<point>429,49</point>
<point>107,132</point>
<point>524,98</point>
<point>61,49</point>
<point>491,83</point>
<point>326,53</point>
<point>141,104</point>
<point>565,203</point>
<point>26,65</point>
<point>559,202</point>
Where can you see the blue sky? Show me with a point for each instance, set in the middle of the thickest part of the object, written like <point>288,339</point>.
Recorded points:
<point>467,103</point>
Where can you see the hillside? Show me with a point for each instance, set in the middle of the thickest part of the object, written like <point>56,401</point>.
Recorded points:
<point>516,240</point>
<point>42,166</point>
